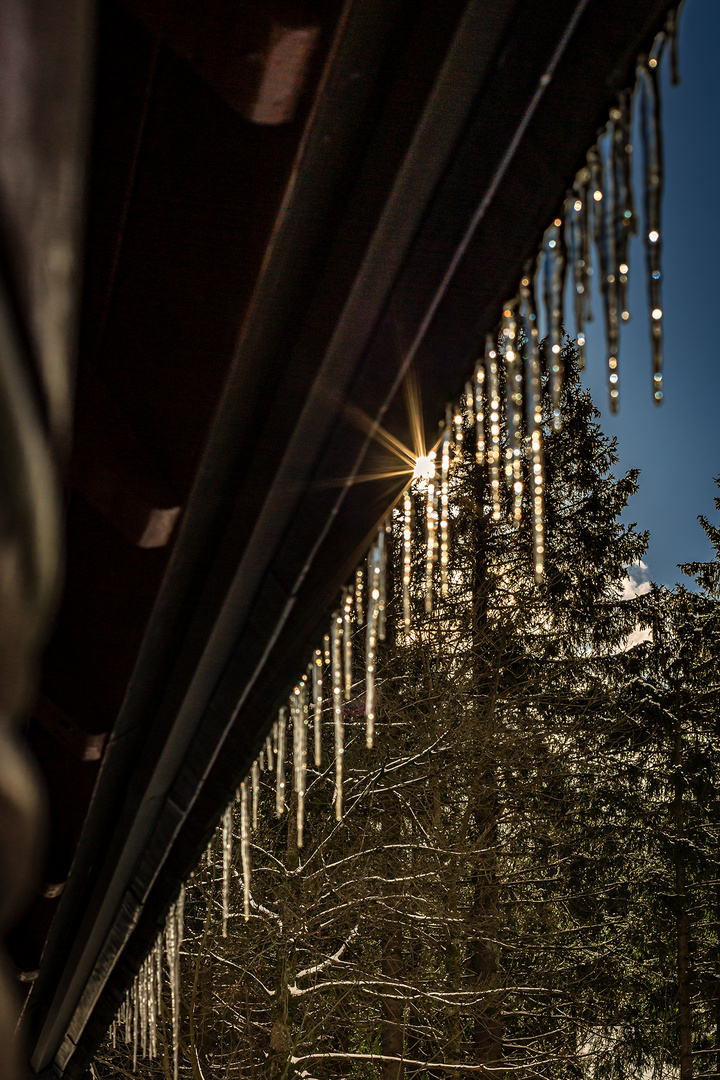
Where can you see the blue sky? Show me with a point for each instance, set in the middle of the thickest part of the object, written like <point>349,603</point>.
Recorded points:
<point>675,445</point>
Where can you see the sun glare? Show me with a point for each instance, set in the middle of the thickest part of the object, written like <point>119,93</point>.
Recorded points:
<point>424,467</point>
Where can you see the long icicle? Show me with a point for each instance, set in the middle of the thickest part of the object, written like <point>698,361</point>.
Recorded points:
<point>580,241</point>
<point>445,501</point>
<point>299,757</point>
<point>651,133</point>
<point>371,639</point>
<point>359,614</point>
<point>347,644</point>
<point>555,264</point>
<point>479,386</point>
<point>255,780</point>
<point>337,680</point>
<point>533,383</point>
<point>384,543</point>
<point>494,452</point>
<point>226,865</point>
<point>513,389</point>
<point>280,765</point>
<point>245,848</point>
<point>407,557</point>
<point>317,705</point>
<point>431,536</point>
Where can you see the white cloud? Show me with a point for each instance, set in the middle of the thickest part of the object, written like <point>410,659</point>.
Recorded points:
<point>636,583</point>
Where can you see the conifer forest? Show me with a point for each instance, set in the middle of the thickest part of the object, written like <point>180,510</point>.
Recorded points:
<point>524,881</point>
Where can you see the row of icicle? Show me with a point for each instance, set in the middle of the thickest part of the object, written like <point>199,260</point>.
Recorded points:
<point>599,211</point>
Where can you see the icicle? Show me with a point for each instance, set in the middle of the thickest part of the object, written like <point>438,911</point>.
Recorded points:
<point>261,760</point>
<point>604,230</point>
<point>136,1022</point>
<point>113,1034</point>
<point>513,387</point>
<point>143,1002</point>
<point>226,862</point>
<point>152,1004</point>
<point>158,972</point>
<point>347,645</point>
<point>297,709</point>
<point>625,218</point>
<point>478,386</point>
<point>245,848</point>
<point>384,542</point>
<point>326,650</point>
<point>650,128</point>
<point>555,263</point>
<point>359,596</point>
<point>281,725</point>
<point>317,705</point>
<point>336,672</point>
<point>494,447</point>
<point>469,406</point>
<point>444,502</point>
<point>579,228</point>
<point>431,515</point>
<point>375,600</point>
<point>255,779</point>
<point>407,556</point>
<point>128,1018</point>
<point>457,429</point>
<point>269,753</point>
<point>173,941</point>
<point>533,382</point>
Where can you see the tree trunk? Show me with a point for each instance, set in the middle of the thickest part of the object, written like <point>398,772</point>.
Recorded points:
<point>682,924</point>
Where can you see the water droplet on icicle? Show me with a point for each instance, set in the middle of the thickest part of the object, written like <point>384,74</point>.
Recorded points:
<point>651,132</point>
<point>226,865</point>
<point>533,382</point>
<point>407,557</point>
<point>280,726</point>
<point>339,728</point>
<point>245,848</point>
<point>513,389</point>
<point>494,450</point>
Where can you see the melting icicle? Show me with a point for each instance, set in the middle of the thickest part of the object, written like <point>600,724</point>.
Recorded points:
<point>158,972</point>
<point>142,996</point>
<point>513,385</point>
<point>407,556</point>
<point>478,386</point>
<point>136,1022</point>
<point>152,1004</point>
<point>555,263</point>
<point>261,760</point>
<point>495,446</point>
<point>384,542</point>
<point>255,779</point>
<point>245,848</point>
<point>173,941</point>
<point>604,230</point>
<point>445,503</point>
<point>297,709</point>
<point>373,620</point>
<point>625,218</point>
<point>226,864</point>
<point>269,753</point>
<point>347,645</point>
<point>534,408</point>
<point>651,132</point>
<point>326,649</point>
<point>317,705</point>
<point>579,228</point>
<point>337,678</point>
<point>281,725</point>
<point>359,615</point>
<point>431,515</point>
